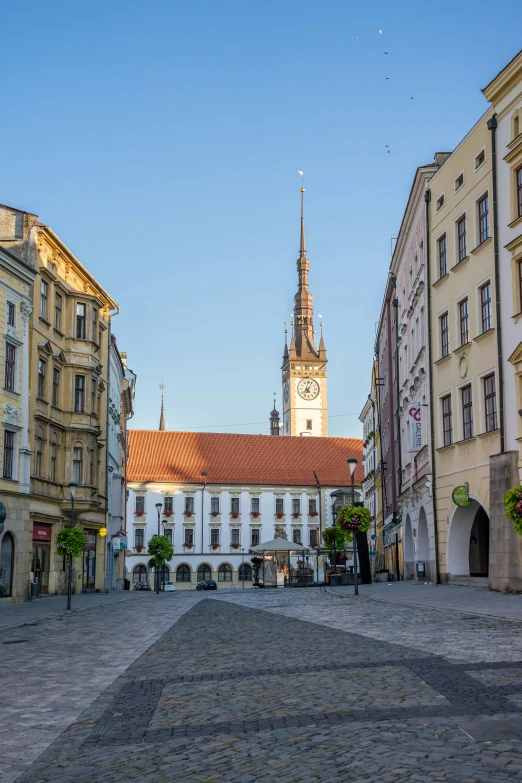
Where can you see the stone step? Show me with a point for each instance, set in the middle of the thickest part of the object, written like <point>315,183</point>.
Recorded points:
<point>468,581</point>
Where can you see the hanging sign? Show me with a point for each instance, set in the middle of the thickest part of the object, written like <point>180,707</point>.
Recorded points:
<point>415,428</point>
<point>460,495</point>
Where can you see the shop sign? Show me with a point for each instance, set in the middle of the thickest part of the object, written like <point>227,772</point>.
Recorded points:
<point>128,552</point>
<point>123,543</point>
<point>116,544</point>
<point>460,495</point>
<point>41,532</point>
<point>415,422</point>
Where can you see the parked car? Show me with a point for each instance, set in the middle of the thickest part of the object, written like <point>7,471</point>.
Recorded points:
<point>142,586</point>
<point>206,584</point>
<point>168,587</point>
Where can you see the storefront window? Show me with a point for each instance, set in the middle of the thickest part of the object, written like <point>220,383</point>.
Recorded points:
<point>6,565</point>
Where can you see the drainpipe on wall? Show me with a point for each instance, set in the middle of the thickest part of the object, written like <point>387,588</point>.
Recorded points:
<point>492,126</point>
<point>427,199</point>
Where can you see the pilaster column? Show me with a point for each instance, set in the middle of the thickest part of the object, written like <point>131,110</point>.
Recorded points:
<point>25,449</point>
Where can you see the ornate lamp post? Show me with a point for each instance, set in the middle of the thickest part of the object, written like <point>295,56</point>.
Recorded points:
<point>159,506</point>
<point>72,490</point>
<point>352,464</point>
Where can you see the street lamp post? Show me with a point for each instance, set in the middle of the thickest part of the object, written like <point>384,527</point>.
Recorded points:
<point>243,565</point>
<point>159,506</point>
<point>352,463</point>
<point>72,490</point>
<point>204,474</point>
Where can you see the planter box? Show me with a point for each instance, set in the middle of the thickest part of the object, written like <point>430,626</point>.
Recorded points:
<point>381,577</point>
<point>341,579</point>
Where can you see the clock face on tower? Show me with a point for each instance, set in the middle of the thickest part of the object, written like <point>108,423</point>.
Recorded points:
<point>287,392</point>
<point>308,389</point>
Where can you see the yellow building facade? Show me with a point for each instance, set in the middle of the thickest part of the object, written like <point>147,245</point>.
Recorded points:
<point>464,353</point>
<point>16,278</point>
<point>68,380</point>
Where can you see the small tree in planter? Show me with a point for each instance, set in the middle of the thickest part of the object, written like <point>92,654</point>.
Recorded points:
<point>513,506</point>
<point>161,550</point>
<point>70,543</point>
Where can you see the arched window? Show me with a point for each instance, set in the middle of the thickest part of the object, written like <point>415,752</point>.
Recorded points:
<point>6,565</point>
<point>183,573</point>
<point>164,575</point>
<point>225,573</point>
<point>245,573</point>
<point>204,572</point>
<point>139,574</point>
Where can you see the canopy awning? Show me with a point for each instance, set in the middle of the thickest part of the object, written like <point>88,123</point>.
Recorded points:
<point>279,545</point>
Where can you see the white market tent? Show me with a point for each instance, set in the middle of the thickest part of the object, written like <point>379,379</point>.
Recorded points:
<point>279,545</point>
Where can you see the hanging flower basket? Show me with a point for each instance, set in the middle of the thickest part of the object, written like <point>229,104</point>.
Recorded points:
<point>139,513</point>
<point>234,514</point>
<point>280,515</point>
<point>187,546</point>
<point>215,546</point>
<point>187,513</point>
<point>513,506</point>
<point>168,513</point>
<point>255,514</point>
<point>139,548</point>
<point>234,546</point>
<point>354,519</point>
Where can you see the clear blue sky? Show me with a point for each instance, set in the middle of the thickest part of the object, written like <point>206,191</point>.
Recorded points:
<point>161,141</point>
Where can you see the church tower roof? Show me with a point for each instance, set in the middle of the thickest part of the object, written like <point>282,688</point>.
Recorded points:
<point>305,347</point>
<point>162,414</point>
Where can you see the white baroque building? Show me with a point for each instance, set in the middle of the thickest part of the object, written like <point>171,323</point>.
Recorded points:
<point>221,494</point>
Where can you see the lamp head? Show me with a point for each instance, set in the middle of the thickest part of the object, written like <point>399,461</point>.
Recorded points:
<point>159,506</point>
<point>73,486</point>
<point>352,463</point>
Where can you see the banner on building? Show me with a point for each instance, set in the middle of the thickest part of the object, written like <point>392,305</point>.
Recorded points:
<point>415,428</point>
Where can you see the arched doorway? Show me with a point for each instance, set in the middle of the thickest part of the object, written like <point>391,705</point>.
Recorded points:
<point>423,544</point>
<point>468,541</point>
<point>408,550</point>
<point>6,565</point>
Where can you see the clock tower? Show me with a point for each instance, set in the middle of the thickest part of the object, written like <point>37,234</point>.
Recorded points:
<point>305,407</point>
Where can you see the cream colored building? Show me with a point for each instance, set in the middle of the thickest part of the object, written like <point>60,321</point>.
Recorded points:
<point>67,402</point>
<point>464,351</point>
<point>16,278</point>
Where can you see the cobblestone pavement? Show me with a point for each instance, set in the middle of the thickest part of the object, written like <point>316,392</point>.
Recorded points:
<point>300,685</point>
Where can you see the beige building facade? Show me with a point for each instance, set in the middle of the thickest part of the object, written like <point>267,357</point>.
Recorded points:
<point>465,352</point>
<point>68,379</point>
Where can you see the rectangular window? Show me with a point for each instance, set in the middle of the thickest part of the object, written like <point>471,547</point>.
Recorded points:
<point>280,505</point>
<point>10,367</point>
<point>8,454</point>
<point>168,534</point>
<point>189,504</point>
<point>444,335</point>
<point>485,306</point>
<point>483,214</point>
<point>57,312</point>
<point>79,393</point>
<point>467,412</point>
<point>461,237</point>
<point>254,537</point>
<point>254,505</point>
<point>56,387</point>
<point>43,299</point>
<point>77,465</point>
<point>214,505</point>
<point>234,505</point>
<point>447,422</point>
<point>139,535</point>
<point>168,503</point>
<point>459,182</point>
<point>490,403</point>
<point>93,395</point>
<point>296,506</point>
<point>479,160</point>
<point>312,506</point>
<point>214,536</point>
<point>443,256</point>
<point>234,536</point>
<point>140,503</point>
<point>464,322</point>
<point>309,424</point>
<point>94,324</point>
<point>53,461</point>
<point>189,536</point>
<point>296,535</point>
<point>80,321</point>
<point>520,284</point>
<point>38,457</point>
<point>519,191</point>
<point>314,536</point>
<point>41,380</point>
<point>11,314</point>
<point>440,202</point>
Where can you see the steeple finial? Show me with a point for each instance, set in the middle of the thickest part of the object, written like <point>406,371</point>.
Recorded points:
<point>162,414</point>
<point>302,249</point>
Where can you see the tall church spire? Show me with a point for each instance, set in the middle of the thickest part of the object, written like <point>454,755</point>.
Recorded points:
<point>303,307</point>
<point>162,414</point>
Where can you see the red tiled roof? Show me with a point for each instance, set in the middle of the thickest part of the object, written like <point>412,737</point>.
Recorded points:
<point>241,459</point>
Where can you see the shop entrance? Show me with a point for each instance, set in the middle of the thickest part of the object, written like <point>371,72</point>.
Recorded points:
<point>89,561</point>
<point>41,561</point>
